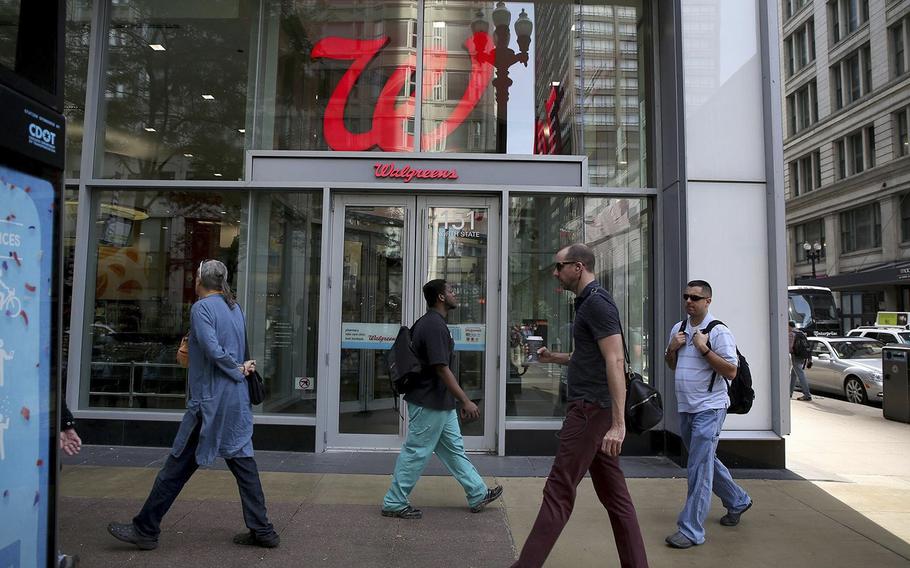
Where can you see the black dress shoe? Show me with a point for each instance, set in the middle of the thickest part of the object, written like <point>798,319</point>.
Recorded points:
<point>492,495</point>
<point>126,532</point>
<point>249,538</point>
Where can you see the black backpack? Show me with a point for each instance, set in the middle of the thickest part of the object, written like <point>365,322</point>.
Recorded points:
<point>740,388</point>
<point>404,363</point>
<point>801,347</point>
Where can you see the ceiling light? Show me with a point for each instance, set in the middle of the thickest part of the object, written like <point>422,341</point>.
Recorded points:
<point>554,84</point>
<point>438,25</point>
<point>208,97</point>
<point>149,129</point>
<point>572,29</point>
<point>217,175</point>
<point>140,234</point>
<point>164,228</point>
<point>187,155</point>
<point>224,212</point>
<point>241,130</point>
<point>157,46</point>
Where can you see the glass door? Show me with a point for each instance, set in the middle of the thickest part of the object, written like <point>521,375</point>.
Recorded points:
<point>386,249</point>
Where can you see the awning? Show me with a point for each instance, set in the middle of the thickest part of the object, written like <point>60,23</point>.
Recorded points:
<point>886,274</point>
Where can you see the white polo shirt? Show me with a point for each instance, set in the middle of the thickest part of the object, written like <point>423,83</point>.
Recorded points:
<point>693,373</point>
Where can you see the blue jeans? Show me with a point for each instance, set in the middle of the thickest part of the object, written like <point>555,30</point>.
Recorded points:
<point>700,433</point>
<point>432,431</point>
<point>797,371</point>
<point>177,471</point>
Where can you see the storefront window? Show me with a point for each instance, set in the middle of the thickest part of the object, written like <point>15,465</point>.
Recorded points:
<point>283,319</point>
<point>175,91</point>
<point>619,232</point>
<point>148,245</point>
<point>70,206</point>
<point>78,28</point>
<point>338,75</point>
<point>577,82</point>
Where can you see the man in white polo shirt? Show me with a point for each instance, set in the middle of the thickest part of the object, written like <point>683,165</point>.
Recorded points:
<point>696,357</point>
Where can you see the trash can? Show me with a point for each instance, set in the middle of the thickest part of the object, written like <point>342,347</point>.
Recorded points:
<point>896,383</point>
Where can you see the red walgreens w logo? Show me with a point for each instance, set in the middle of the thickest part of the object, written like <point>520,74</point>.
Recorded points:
<point>388,131</point>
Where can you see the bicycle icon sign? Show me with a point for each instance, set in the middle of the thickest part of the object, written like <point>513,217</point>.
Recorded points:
<point>9,302</point>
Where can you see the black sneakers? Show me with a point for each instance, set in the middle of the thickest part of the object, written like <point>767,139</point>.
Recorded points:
<point>408,513</point>
<point>126,532</point>
<point>732,519</point>
<point>492,495</point>
<point>249,538</point>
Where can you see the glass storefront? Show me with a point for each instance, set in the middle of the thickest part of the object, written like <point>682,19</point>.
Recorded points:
<point>190,86</point>
<point>619,232</point>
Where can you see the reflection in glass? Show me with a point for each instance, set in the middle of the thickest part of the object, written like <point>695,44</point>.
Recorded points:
<point>78,29</point>
<point>175,92</point>
<point>371,309</point>
<point>285,242</point>
<point>148,245</point>
<point>457,252</point>
<point>619,232</point>
<point>9,32</point>
<point>338,75</point>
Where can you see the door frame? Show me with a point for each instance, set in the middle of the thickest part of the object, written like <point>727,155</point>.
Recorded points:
<point>414,251</point>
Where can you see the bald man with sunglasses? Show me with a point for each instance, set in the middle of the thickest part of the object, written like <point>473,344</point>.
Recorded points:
<point>594,428</point>
<point>696,357</point>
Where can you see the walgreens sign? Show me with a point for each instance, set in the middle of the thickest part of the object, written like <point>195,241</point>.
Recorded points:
<point>407,173</point>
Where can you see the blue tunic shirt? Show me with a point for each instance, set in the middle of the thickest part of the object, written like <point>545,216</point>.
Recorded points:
<point>219,395</point>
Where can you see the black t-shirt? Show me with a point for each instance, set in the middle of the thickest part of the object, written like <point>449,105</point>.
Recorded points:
<point>435,346</point>
<point>596,317</point>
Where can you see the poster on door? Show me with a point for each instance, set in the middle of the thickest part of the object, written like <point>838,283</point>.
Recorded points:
<point>26,254</point>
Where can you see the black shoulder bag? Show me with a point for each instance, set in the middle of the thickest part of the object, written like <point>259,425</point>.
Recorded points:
<point>254,380</point>
<point>644,406</point>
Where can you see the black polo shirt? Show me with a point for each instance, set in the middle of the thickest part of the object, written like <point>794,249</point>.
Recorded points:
<point>435,346</point>
<point>596,317</point>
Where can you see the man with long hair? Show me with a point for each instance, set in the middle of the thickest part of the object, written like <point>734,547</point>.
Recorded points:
<point>218,421</point>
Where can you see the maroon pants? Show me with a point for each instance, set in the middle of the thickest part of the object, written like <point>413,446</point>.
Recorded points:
<point>579,452</point>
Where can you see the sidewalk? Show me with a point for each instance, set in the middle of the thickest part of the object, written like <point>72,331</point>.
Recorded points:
<point>332,519</point>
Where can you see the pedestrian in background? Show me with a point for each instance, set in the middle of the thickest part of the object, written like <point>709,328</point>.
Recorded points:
<point>218,421</point>
<point>800,359</point>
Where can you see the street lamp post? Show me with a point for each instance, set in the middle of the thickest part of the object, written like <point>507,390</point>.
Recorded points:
<point>813,253</point>
<point>503,58</point>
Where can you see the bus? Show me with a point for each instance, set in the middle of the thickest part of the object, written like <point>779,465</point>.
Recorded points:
<point>814,311</point>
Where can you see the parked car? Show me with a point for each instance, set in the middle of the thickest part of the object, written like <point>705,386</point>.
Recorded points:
<point>851,366</point>
<point>887,335</point>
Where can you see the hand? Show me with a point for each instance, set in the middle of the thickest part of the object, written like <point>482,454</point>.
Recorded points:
<point>545,356</point>
<point>70,442</point>
<point>249,367</point>
<point>612,444</point>
<point>469,411</point>
<point>676,342</point>
<point>700,341</point>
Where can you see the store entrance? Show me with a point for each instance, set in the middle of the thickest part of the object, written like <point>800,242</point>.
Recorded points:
<point>384,249</point>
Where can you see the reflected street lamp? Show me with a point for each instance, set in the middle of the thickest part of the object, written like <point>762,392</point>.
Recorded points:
<point>504,57</point>
<point>813,253</point>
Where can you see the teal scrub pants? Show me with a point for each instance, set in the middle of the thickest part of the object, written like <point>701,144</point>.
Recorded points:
<point>432,431</point>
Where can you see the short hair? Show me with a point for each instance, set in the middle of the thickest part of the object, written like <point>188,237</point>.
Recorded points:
<point>432,290</point>
<point>705,287</point>
<point>582,253</point>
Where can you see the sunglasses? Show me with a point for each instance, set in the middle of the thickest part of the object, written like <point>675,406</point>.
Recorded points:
<point>560,265</point>
<point>694,298</point>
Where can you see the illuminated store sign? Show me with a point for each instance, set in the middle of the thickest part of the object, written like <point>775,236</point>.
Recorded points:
<point>407,173</point>
<point>389,128</point>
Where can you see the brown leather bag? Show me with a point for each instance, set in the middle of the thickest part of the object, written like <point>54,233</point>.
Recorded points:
<point>183,352</point>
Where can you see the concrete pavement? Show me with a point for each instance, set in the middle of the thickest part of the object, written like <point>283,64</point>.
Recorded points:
<point>848,512</point>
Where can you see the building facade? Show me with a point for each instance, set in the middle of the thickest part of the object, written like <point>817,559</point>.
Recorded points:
<point>336,155</point>
<point>846,88</point>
